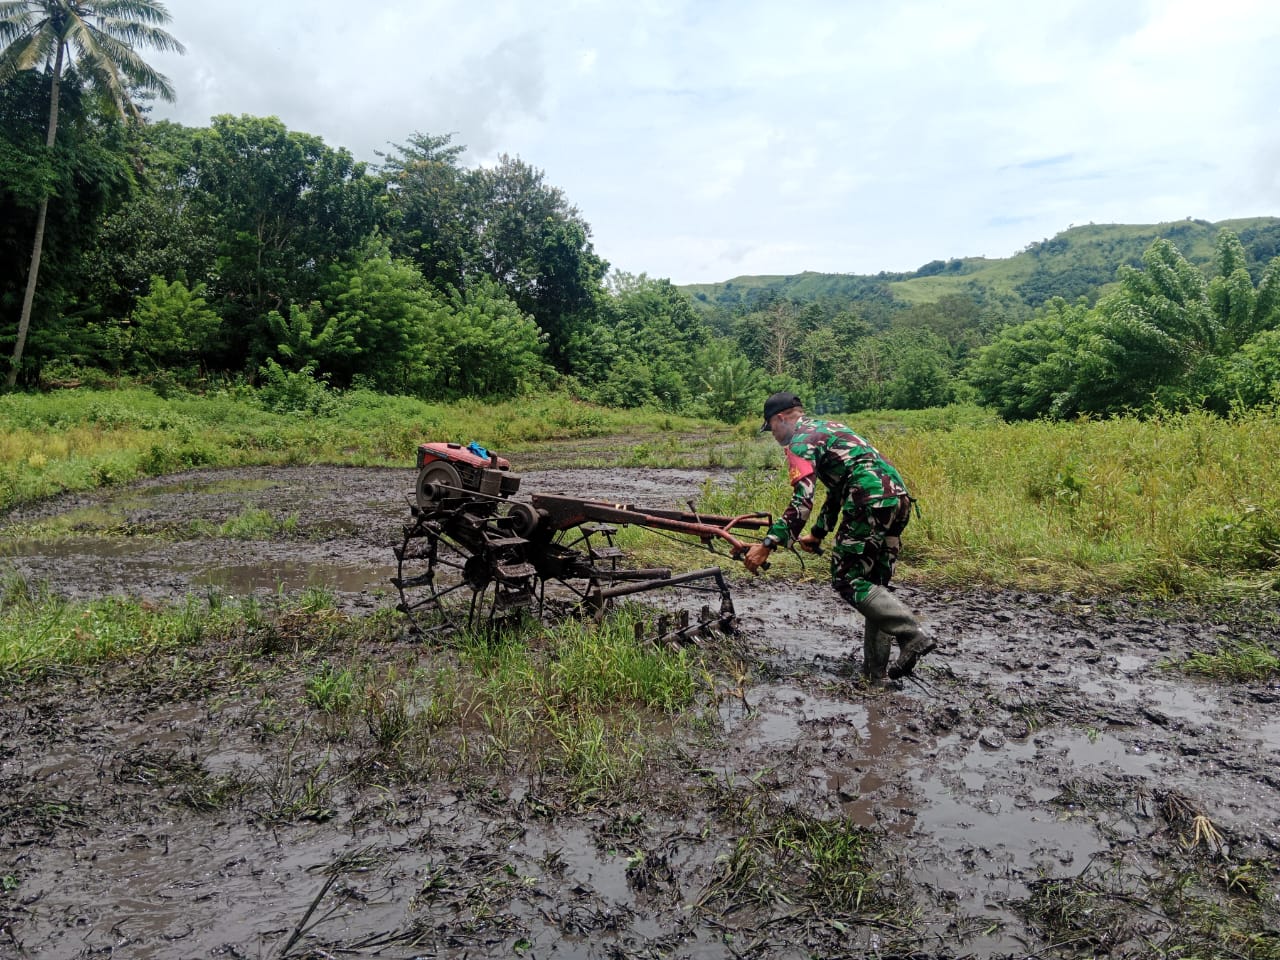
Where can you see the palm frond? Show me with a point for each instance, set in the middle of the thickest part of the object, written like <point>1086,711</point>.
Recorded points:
<point>27,52</point>
<point>140,34</point>
<point>143,11</point>
<point>126,61</point>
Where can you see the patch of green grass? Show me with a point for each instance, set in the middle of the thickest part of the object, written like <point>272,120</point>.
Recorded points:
<point>1239,662</point>
<point>254,524</point>
<point>787,855</point>
<point>38,631</point>
<point>332,689</point>
<point>598,754</point>
<point>1180,505</point>
<point>577,701</point>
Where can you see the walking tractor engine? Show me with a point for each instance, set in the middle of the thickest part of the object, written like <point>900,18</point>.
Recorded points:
<point>472,554</point>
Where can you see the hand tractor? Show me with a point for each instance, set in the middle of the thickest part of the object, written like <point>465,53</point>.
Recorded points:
<point>474,555</point>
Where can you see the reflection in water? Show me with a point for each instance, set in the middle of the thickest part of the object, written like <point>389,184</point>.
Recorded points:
<point>289,576</point>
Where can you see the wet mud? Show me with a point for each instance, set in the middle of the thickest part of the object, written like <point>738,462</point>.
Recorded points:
<point>1047,748</point>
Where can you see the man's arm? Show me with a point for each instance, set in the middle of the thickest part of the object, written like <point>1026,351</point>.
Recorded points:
<point>829,517</point>
<point>791,524</point>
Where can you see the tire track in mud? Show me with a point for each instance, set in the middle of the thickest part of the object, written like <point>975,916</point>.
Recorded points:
<point>1045,744</point>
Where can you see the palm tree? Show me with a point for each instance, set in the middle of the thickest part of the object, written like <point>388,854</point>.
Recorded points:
<point>100,36</point>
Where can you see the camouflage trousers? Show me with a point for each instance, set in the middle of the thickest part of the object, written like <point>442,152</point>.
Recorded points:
<point>866,549</point>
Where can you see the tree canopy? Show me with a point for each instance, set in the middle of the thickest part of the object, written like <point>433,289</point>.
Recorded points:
<point>244,249</point>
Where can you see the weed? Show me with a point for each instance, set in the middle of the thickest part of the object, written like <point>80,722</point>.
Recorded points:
<point>597,762</point>
<point>332,690</point>
<point>1080,911</point>
<point>791,856</point>
<point>301,787</point>
<point>385,709</point>
<point>1239,662</point>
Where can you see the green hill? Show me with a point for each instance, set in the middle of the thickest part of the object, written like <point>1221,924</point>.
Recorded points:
<point>1080,261</point>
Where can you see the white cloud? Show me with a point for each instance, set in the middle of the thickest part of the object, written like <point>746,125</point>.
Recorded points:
<point>702,139</point>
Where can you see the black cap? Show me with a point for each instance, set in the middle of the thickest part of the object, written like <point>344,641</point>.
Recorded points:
<point>782,400</point>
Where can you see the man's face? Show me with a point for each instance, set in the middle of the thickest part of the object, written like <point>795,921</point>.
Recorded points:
<point>783,425</point>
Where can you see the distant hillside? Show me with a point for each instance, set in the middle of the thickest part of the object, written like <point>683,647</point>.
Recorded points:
<point>1078,262</point>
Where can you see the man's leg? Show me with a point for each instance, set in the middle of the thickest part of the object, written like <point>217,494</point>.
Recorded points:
<point>891,616</point>
<point>876,647</point>
<point>859,555</point>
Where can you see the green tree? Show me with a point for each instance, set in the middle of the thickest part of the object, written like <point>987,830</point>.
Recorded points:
<point>87,172</point>
<point>285,209</point>
<point>375,317</point>
<point>1028,370</point>
<point>921,366</point>
<point>1252,375</point>
<point>1166,337</point>
<point>642,347</point>
<point>156,231</point>
<point>1241,310</point>
<point>426,195</point>
<point>731,386</point>
<point>491,347</point>
<point>173,323</point>
<point>954,317</point>
<point>782,335</point>
<point>1162,338</point>
<point>99,37</point>
<point>529,238</point>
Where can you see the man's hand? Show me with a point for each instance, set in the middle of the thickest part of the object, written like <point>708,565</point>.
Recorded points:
<point>757,556</point>
<point>810,543</point>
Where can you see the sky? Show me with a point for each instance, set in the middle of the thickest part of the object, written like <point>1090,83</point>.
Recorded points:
<point>708,139</point>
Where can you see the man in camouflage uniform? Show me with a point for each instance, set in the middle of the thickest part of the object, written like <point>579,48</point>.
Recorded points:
<point>868,500</point>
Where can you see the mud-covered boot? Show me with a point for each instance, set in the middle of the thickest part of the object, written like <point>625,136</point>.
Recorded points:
<point>876,647</point>
<point>890,615</point>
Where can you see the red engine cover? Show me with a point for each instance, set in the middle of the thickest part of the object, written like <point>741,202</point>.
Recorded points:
<point>457,453</point>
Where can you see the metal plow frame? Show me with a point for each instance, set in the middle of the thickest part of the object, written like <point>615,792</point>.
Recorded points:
<point>470,559</point>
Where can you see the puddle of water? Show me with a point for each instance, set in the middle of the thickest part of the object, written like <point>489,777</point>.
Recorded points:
<point>1268,734</point>
<point>983,853</point>
<point>788,714</point>
<point>1088,751</point>
<point>1183,702</point>
<point>75,548</point>
<point>864,773</point>
<point>604,871</point>
<point>199,485</point>
<point>289,575</point>
<point>1130,664</point>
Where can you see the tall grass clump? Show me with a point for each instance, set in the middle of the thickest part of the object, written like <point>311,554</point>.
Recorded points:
<point>1241,662</point>
<point>1182,503</point>
<point>39,631</point>
<point>581,665</point>
<point>578,699</point>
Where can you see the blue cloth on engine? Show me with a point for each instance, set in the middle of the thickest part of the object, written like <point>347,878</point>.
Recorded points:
<point>478,450</point>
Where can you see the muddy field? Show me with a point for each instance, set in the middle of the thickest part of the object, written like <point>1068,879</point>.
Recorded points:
<point>1050,789</point>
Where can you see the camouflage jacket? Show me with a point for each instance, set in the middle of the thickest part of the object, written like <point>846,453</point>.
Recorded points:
<point>857,477</point>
